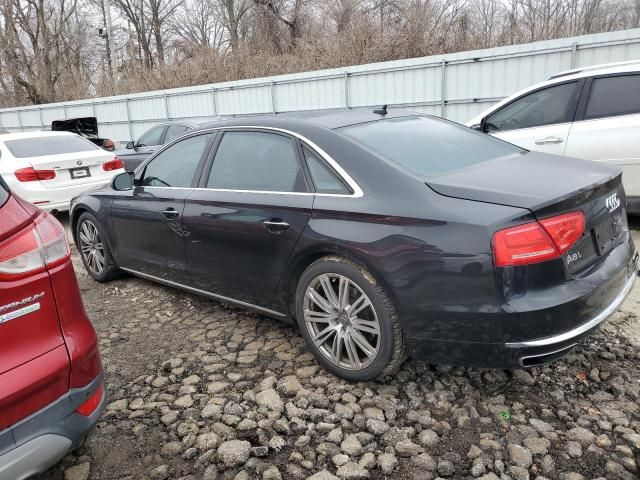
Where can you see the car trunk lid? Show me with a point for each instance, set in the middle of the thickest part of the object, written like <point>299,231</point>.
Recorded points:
<point>73,169</point>
<point>549,185</point>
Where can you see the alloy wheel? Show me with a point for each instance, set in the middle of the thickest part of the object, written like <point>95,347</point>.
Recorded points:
<point>341,321</point>
<point>91,247</point>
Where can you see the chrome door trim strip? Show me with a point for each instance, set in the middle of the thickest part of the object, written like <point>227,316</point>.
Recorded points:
<point>214,296</point>
<point>230,190</point>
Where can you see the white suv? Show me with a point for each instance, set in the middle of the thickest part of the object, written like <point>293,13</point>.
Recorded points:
<point>591,113</point>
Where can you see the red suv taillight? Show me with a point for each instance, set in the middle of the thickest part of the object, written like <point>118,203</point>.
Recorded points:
<point>30,174</point>
<point>43,244</point>
<point>537,241</point>
<point>114,164</point>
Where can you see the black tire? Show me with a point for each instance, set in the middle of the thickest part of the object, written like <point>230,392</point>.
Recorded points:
<point>390,342</point>
<point>110,269</point>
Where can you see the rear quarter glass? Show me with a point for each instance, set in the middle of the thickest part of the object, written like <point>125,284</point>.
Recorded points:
<point>49,145</point>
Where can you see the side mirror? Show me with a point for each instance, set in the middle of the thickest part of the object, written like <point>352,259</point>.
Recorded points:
<point>129,145</point>
<point>123,181</point>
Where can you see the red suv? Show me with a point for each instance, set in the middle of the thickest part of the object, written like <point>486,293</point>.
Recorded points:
<point>51,391</point>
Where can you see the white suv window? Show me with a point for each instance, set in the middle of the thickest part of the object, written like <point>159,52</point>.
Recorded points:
<point>613,96</point>
<point>550,105</point>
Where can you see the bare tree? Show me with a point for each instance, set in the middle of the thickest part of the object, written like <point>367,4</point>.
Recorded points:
<point>198,23</point>
<point>133,12</point>
<point>33,45</point>
<point>234,12</point>
<point>286,12</point>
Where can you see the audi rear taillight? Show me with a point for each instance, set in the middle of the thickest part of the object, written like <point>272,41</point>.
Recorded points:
<point>41,245</point>
<point>537,241</point>
<point>30,174</point>
<point>114,164</point>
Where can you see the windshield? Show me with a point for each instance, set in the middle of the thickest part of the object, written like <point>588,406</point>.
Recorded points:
<point>49,145</point>
<point>429,146</point>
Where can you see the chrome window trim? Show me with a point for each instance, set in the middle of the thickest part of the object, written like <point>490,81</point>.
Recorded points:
<point>268,192</point>
<point>214,296</point>
<point>357,191</point>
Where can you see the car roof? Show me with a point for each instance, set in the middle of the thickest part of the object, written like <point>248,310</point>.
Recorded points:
<point>190,122</point>
<point>330,119</point>
<point>33,134</point>
<point>602,69</point>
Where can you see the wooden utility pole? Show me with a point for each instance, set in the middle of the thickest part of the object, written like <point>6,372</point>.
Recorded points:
<point>111,47</point>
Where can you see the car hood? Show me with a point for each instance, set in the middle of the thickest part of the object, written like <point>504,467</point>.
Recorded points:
<point>532,180</point>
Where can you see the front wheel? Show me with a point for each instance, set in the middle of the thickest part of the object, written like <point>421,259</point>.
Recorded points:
<point>94,251</point>
<point>348,320</point>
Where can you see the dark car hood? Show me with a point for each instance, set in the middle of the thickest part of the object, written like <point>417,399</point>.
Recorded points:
<point>532,180</point>
<point>87,126</point>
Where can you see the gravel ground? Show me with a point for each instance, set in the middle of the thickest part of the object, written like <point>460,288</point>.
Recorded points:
<point>200,390</point>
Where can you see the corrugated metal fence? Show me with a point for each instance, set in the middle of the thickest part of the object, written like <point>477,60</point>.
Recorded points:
<point>455,86</point>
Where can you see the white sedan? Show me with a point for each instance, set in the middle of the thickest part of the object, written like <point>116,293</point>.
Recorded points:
<point>48,169</point>
<point>591,113</point>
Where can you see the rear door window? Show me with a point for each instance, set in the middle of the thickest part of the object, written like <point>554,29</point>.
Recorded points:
<point>258,161</point>
<point>177,165</point>
<point>547,106</point>
<point>48,145</point>
<point>613,96</point>
<point>428,146</point>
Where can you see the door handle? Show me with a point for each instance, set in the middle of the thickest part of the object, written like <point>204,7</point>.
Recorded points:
<point>276,225</point>
<point>170,213</point>
<point>549,140</point>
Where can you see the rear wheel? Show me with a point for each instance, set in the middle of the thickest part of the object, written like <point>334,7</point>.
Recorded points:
<point>94,251</point>
<point>348,320</point>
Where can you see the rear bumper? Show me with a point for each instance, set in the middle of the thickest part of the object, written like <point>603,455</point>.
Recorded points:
<point>41,440</point>
<point>527,352</point>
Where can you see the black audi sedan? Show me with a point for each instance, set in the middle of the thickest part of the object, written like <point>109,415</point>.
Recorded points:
<point>381,234</point>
